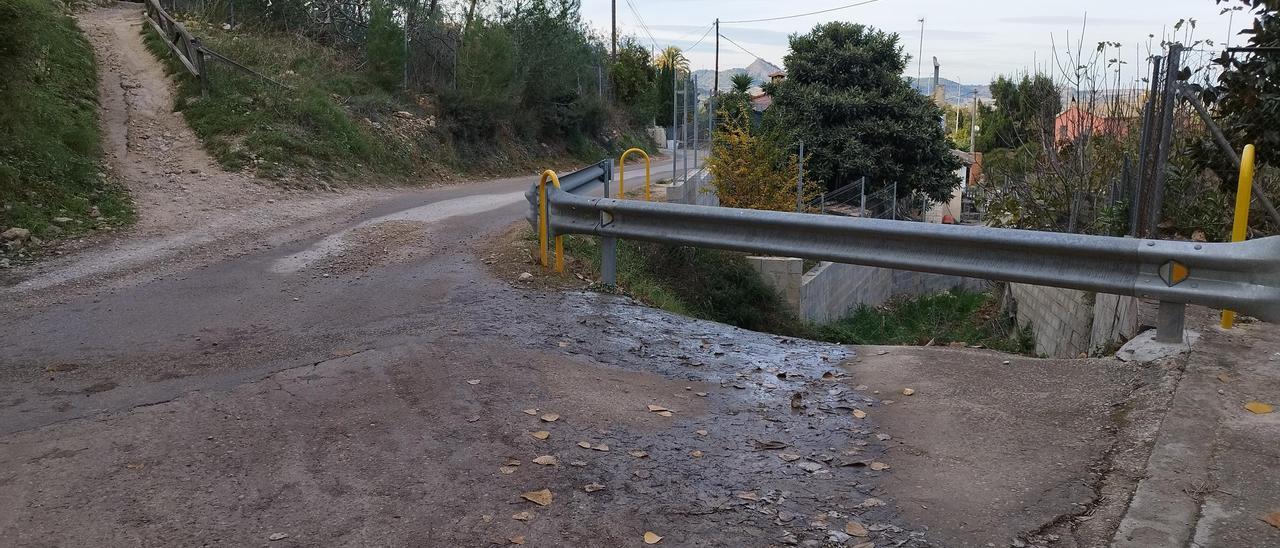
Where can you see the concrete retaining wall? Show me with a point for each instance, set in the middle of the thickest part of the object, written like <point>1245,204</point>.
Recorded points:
<point>829,291</point>
<point>1069,322</point>
<point>695,191</point>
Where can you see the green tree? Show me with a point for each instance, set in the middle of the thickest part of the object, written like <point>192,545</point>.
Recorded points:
<point>1247,94</point>
<point>385,47</point>
<point>845,98</point>
<point>742,82</point>
<point>1024,112</point>
<point>633,78</point>
<point>672,65</point>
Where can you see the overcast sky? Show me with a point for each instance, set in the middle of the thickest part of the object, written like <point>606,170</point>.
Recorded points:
<point>974,41</point>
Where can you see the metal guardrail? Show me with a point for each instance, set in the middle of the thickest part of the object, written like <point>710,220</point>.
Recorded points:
<point>1242,276</point>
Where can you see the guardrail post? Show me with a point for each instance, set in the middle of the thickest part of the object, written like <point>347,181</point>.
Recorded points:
<point>608,245</point>
<point>1171,320</point>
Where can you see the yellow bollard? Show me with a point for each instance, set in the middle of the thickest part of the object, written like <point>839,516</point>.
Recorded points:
<point>1240,228</point>
<point>542,221</point>
<point>622,167</point>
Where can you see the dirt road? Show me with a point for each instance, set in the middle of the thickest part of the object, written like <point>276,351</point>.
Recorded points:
<point>249,366</point>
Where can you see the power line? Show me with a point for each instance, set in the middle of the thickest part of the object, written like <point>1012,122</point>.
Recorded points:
<point>739,46</point>
<point>643,26</point>
<point>854,5</point>
<point>704,37</point>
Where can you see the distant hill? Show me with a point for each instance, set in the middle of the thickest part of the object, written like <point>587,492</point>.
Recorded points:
<point>758,69</point>
<point>955,92</point>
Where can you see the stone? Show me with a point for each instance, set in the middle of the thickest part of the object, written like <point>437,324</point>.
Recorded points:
<point>526,276</point>
<point>61,220</point>
<point>94,213</point>
<point>16,234</point>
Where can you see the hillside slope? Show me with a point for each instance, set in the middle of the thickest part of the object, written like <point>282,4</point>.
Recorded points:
<point>51,183</point>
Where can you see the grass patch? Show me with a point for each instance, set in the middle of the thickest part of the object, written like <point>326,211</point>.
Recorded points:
<point>954,316</point>
<point>703,283</point>
<point>51,148</point>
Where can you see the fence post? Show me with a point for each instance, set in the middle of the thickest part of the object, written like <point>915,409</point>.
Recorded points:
<point>800,181</point>
<point>1172,64</point>
<point>863,213</point>
<point>198,59</point>
<point>894,205</point>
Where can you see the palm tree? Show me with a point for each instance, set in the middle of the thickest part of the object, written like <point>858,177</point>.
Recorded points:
<point>742,82</point>
<point>673,57</point>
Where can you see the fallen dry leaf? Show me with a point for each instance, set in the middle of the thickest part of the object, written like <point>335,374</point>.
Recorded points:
<point>577,463</point>
<point>859,414</point>
<point>871,503</point>
<point>600,447</point>
<point>547,460</point>
<point>747,495</point>
<point>856,529</point>
<point>665,414</point>
<point>531,411</point>
<point>696,454</point>
<point>700,394</point>
<point>865,545</point>
<point>657,408</point>
<point>908,391</point>
<point>541,498</point>
<point>584,444</point>
<point>700,432</point>
<point>473,382</point>
<point>541,434</point>
<point>592,487</point>
<point>134,466</point>
<point>789,457</point>
<point>516,540</point>
<point>877,466</point>
<point>550,417</point>
<point>1223,377</point>
<point>513,461</point>
<point>1259,408</point>
<point>507,469</point>
<point>638,454</point>
<point>522,516</point>
<point>1272,519</point>
<point>651,538</point>
<point>769,444</point>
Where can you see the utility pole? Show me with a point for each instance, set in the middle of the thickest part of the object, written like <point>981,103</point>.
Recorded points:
<point>684,124</point>
<point>920,54</point>
<point>613,50</point>
<point>695,123</point>
<point>715,86</point>
<point>675,137</point>
<point>973,125</point>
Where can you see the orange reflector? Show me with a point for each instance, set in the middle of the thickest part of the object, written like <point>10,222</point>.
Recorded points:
<point>1173,273</point>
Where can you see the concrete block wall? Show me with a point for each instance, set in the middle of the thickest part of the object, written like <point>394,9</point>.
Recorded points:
<point>829,291</point>
<point>784,275</point>
<point>695,191</point>
<point>1069,322</point>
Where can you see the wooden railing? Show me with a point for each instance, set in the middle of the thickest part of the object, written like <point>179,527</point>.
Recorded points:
<point>185,46</point>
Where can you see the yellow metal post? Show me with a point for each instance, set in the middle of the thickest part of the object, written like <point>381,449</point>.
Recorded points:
<point>622,167</point>
<point>542,221</point>
<point>1241,226</point>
